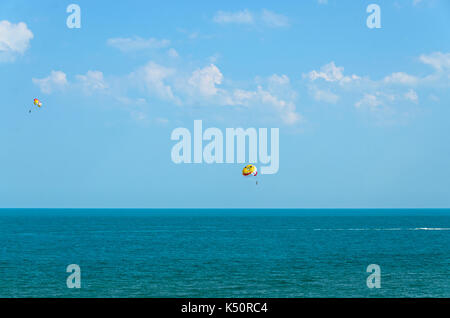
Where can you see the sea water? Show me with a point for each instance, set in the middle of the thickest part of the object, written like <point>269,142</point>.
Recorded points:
<point>224,253</point>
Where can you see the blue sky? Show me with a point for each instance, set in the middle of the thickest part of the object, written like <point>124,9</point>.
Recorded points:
<point>363,113</point>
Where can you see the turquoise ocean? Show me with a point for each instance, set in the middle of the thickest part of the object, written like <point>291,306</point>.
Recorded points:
<point>224,253</point>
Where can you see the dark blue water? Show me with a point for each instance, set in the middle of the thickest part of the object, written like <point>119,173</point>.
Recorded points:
<point>225,253</point>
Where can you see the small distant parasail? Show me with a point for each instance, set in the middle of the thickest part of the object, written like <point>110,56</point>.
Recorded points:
<point>250,170</point>
<point>37,102</point>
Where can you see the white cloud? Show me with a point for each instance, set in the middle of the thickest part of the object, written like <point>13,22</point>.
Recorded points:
<point>204,80</point>
<point>193,35</point>
<point>213,59</point>
<point>285,108</point>
<point>172,53</point>
<point>279,97</point>
<point>280,85</point>
<point>154,78</point>
<point>332,73</point>
<point>239,17</point>
<point>369,101</point>
<point>273,19</point>
<point>434,98</point>
<point>351,78</point>
<point>322,1</point>
<point>14,40</point>
<point>279,80</point>
<point>131,101</point>
<point>162,120</point>
<point>137,43</point>
<point>273,98</point>
<point>381,95</point>
<point>57,80</point>
<point>412,96</point>
<point>381,102</point>
<point>438,60</point>
<point>138,115</point>
<point>384,101</point>
<point>401,78</point>
<point>92,81</point>
<point>241,97</point>
<point>329,72</point>
<point>245,17</point>
<point>324,96</point>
